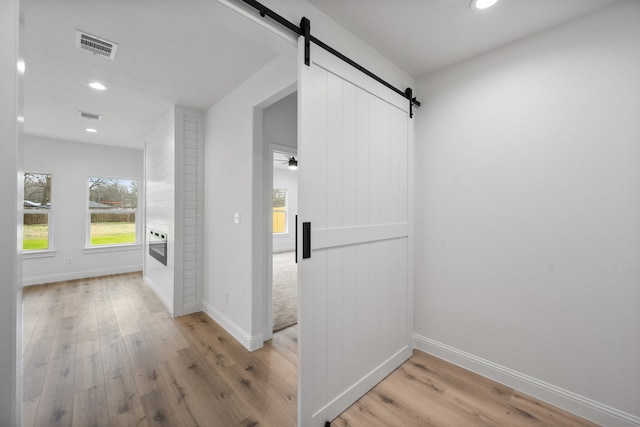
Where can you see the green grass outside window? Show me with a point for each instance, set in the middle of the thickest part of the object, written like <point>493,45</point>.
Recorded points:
<point>112,233</point>
<point>35,237</point>
<point>102,233</point>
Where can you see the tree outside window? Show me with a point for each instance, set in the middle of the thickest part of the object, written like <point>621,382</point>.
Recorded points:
<point>280,220</point>
<point>37,211</point>
<point>113,207</point>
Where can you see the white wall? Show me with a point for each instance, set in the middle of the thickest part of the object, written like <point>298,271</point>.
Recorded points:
<point>286,179</point>
<point>280,122</point>
<point>234,167</point>
<point>528,215</point>
<point>10,271</point>
<point>70,165</point>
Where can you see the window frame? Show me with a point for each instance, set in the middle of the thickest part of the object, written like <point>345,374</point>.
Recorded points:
<point>286,212</point>
<point>49,250</point>
<point>89,247</point>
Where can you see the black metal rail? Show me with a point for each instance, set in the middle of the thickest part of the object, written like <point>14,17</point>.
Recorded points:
<point>304,29</point>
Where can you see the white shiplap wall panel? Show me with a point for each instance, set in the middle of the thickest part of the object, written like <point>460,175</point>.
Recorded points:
<point>174,185</point>
<point>160,202</point>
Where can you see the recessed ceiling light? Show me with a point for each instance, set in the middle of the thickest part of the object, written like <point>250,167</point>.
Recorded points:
<point>21,66</point>
<point>21,119</point>
<point>91,130</point>
<point>97,86</point>
<point>482,4</point>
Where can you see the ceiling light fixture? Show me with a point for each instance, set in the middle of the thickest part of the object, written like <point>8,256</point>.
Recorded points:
<point>293,163</point>
<point>482,4</point>
<point>21,66</point>
<point>91,130</point>
<point>21,119</point>
<point>97,86</point>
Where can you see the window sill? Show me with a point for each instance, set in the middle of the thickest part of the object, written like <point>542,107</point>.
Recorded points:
<point>47,253</point>
<point>280,235</point>
<point>111,248</point>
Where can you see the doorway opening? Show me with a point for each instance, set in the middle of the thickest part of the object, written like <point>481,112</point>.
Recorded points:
<point>281,202</point>
<point>284,274</point>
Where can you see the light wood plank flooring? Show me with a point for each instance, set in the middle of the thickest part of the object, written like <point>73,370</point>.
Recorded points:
<point>104,351</point>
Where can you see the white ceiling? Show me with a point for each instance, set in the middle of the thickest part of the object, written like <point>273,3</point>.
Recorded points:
<point>189,52</point>
<point>193,52</point>
<point>422,36</point>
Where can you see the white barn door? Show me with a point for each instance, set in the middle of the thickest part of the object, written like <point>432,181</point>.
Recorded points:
<point>355,316</point>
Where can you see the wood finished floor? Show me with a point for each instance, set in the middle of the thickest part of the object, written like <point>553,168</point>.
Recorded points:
<point>104,351</point>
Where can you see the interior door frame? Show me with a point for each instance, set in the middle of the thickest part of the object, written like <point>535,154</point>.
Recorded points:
<point>268,211</point>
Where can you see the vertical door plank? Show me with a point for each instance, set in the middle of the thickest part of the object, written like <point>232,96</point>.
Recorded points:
<point>349,154</point>
<point>385,155</point>
<point>334,322</point>
<point>377,175</point>
<point>334,151</point>
<point>315,301</point>
<point>399,140</point>
<point>376,257</point>
<point>365,315</point>
<point>350,314</point>
<point>316,170</point>
<point>361,162</point>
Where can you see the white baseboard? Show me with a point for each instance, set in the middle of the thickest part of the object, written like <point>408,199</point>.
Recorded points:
<point>167,304</point>
<point>572,402</point>
<point>250,342</point>
<point>75,275</point>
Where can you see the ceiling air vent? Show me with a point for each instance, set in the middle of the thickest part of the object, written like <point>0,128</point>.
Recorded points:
<point>96,45</point>
<point>90,116</point>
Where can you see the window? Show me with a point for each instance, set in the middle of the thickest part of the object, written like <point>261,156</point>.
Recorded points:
<point>37,212</point>
<point>280,220</point>
<point>113,207</point>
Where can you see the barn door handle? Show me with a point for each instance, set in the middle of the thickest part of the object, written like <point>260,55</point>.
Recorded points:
<point>306,240</point>
<point>296,239</point>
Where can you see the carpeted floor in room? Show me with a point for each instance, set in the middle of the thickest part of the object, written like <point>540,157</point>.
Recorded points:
<point>285,290</point>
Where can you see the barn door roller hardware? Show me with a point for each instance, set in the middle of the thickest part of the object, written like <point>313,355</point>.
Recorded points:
<point>304,29</point>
